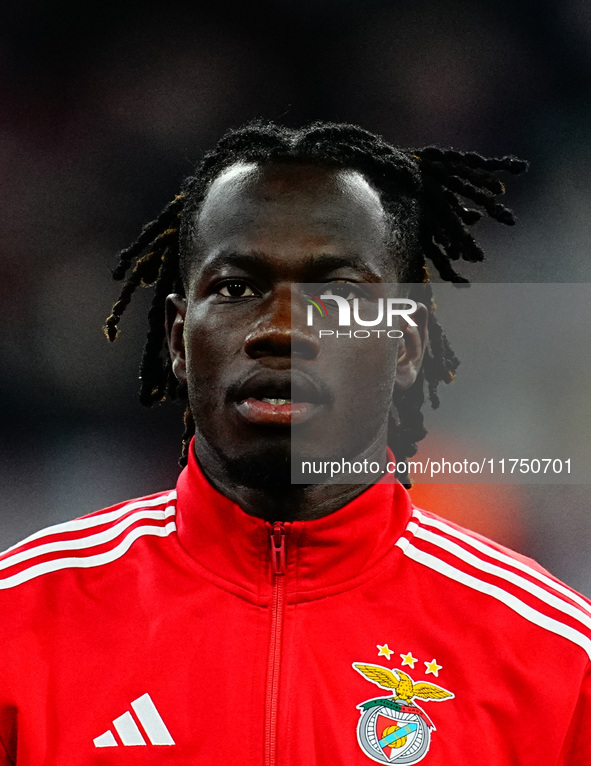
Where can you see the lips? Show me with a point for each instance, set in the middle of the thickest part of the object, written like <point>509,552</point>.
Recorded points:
<point>261,412</point>
<point>279,397</point>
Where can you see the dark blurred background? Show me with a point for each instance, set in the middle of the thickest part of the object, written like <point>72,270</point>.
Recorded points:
<point>106,108</point>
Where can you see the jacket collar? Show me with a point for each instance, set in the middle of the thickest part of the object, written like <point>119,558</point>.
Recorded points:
<point>323,555</point>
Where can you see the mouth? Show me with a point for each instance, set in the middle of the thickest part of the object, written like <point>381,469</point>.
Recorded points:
<point>275,412</point>
<point>274,398</point>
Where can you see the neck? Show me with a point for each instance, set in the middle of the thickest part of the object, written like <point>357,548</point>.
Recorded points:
<point>287,501</point>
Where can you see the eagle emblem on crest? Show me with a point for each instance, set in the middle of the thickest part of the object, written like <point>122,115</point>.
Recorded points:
<point>395,729</point>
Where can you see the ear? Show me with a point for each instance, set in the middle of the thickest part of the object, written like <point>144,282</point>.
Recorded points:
<point>176,310</point>
<point>412,349</point>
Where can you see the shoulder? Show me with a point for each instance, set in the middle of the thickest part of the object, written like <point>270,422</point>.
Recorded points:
<point>89,541</point>
<point>518,585</point>
<point>449,536</point>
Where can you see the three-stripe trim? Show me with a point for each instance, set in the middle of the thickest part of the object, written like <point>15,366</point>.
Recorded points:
<point>482,567</point>
<point>78,544</point>
<point>129,731</point>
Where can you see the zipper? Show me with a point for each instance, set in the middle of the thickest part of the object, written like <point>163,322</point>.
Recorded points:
<point>277,540</point>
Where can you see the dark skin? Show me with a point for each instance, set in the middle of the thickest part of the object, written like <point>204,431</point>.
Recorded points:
<point>240,342</point>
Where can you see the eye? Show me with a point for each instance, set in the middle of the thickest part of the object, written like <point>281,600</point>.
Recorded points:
<point>236,288</point>
<point>346,290</point>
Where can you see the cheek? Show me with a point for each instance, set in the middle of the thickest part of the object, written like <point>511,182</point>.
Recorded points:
<point>204,351</point>
<point>364,370</point>
<point>360,373</point>
<point>212,347</point>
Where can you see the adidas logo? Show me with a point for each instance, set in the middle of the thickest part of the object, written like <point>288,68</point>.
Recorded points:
<point>130,733</point>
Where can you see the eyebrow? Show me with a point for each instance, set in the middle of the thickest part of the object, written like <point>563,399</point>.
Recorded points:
<point>317,265</point>
<point>324,263</point>
<point>247,261</point>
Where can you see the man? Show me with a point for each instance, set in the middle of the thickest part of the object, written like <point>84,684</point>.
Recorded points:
<point>243,619</point>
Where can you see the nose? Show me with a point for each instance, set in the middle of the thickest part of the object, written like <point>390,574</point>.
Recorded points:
<point>280,329</point>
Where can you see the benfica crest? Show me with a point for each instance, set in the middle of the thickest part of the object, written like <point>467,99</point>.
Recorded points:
<point>395,729</point>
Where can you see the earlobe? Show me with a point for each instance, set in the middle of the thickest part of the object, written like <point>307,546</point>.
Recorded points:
<point>412,350</point>
<point>176,310</point>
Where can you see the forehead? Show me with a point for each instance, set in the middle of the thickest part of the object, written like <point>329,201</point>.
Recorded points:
<point>288,209</point>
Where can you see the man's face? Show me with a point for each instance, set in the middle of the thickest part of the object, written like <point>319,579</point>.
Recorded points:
<point>255,371</point>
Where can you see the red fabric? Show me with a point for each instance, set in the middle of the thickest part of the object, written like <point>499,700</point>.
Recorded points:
<point>178,600</point>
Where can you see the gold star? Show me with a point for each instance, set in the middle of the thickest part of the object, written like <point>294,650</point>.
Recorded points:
<point>432,667</point>
<point>384,651</point>
<point>408,659</point>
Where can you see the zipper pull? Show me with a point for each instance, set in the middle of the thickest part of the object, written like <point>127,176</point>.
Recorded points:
<point>277,537</point>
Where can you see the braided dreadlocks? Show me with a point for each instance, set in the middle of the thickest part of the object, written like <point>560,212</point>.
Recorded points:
<point>423,193</point>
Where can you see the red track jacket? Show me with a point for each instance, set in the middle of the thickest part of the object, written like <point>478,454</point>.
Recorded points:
<point>176,629</point>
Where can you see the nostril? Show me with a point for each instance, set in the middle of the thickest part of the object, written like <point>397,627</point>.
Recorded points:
<point>304,348</point>
<point>270,341</point>
<point>283,342</point>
